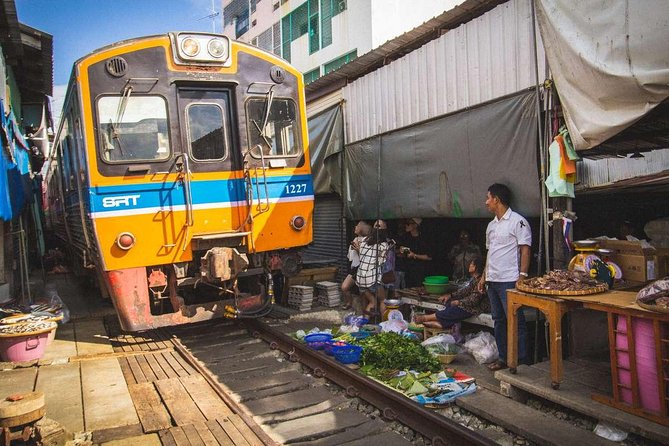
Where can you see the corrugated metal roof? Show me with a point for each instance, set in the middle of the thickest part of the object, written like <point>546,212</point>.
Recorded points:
<point>400,46</point>
<point>483,60</point>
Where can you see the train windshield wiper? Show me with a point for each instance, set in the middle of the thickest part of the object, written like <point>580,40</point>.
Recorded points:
<point>120,111</point>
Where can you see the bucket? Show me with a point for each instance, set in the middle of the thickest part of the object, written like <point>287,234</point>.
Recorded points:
<point>23,348</point>
<point>24,341</point>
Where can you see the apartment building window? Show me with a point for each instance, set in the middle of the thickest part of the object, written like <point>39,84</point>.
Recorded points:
<point>285,37</point>
<point>338,62</point>
<point>326,23</point>
<point>340,6</point>
<point>242,23</point>
<point>276,38</point>
<point>265,40</point>
<point>314,27</point>
<point>313,17</point>
<point>312,75</point>
<point>253,5</point>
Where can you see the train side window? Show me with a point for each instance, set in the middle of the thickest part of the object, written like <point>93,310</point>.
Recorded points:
<point>133,128</point>
<point>207,131</point>
<point>279,138</point>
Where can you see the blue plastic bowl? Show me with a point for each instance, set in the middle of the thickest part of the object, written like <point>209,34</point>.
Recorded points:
<point>317,341</point>
<point>360,335</point>
<point>347,354</point>
<point>327,348</point>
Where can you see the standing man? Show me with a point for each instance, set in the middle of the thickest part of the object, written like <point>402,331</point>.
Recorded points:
<point>508,240</point>
<point>412,256</point>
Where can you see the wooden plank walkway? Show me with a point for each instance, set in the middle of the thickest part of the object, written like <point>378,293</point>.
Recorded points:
<point>172,399</point>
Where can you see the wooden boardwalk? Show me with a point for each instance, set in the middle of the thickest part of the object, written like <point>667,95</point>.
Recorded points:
<point>172,399</point>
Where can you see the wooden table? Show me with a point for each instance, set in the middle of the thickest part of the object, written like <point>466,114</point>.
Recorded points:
<point>553,308</point>
<point>615,304</point>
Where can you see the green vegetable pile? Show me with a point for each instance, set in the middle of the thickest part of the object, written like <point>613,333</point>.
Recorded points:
<point>391,351</point>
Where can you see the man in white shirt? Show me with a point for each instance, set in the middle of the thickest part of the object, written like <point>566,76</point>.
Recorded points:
<point>508,240</point>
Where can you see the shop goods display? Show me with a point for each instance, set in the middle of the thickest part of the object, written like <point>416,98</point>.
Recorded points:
<point>655,297</point>
<point>300,297</point>
<point>560,282</point>
<point>328,293</point>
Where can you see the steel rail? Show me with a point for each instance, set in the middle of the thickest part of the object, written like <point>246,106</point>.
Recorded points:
<point>392,405</point>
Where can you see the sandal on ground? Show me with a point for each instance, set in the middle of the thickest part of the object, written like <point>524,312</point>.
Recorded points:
<point>497,365</point>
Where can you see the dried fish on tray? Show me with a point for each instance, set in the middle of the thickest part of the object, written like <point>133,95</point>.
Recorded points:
<point>26,328</point>
<point>561,282</point>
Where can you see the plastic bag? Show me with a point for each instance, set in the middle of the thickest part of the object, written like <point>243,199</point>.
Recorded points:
<point>56,301</point>
<point>610,432</point>
<point>441,344</point>
<point>483,347</point>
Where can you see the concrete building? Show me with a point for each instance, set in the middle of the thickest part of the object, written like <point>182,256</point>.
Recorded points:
<point>319,36</point>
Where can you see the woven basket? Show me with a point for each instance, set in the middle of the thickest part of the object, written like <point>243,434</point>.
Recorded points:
<point>447,358</point>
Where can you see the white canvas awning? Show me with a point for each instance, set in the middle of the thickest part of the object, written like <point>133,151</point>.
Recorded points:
<point>609,60</point>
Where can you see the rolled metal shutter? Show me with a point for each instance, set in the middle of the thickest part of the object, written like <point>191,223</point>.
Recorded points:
<point>329,245</point>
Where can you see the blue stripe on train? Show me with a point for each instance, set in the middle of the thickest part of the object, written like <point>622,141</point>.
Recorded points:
<point>148,195</point>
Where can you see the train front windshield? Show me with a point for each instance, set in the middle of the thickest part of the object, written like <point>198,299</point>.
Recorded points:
<point>133,128</point>
<point>279,137</point>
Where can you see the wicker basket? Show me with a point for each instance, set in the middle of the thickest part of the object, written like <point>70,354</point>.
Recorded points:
<point>447,358</point>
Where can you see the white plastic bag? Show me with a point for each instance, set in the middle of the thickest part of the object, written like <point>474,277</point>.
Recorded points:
<point>441,344</point>
<point>483,347</point>
<point>56,301</point>
<point>610,432</point>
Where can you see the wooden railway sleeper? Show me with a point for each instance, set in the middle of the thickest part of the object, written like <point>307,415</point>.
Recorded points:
<point>406,411</point>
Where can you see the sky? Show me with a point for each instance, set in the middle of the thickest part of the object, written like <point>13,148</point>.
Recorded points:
<point>81,26</point>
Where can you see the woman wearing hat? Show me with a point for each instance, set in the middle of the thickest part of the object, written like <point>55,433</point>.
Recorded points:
<point>412,255</point>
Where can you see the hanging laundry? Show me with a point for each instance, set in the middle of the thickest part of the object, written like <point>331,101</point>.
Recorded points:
<point>571,151</point>
<point>569,165</point>
<point>556,182</point>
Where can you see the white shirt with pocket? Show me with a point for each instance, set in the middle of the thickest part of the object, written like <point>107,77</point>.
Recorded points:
<point>503,238</point>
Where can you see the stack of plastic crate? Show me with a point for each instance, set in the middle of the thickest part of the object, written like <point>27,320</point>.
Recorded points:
<point>328,294</point>
<point>300,297</point>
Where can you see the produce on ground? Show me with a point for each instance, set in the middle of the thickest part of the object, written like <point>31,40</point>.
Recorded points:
<point>392,351</point>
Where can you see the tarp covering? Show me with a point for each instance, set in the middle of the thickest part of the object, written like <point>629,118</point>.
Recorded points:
<point>443,167</point>
<point>609,61</point>
<point>326,139</point>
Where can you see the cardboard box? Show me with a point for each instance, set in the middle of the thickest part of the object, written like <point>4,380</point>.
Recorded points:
<point>638,264</point>
<point>661,262</point>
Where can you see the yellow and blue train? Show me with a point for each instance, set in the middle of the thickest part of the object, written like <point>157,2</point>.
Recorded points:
<point>181,163</point>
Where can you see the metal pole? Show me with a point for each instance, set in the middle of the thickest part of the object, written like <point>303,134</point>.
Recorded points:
<point>543,231</point>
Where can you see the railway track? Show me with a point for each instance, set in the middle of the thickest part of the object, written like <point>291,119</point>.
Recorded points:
<point>300,396</point>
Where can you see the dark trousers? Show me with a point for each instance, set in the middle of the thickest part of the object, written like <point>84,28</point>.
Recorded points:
<point>497,296</point>
<point>452,315</point>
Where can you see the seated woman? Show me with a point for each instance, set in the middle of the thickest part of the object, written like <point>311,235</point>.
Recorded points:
<point>462,304</point>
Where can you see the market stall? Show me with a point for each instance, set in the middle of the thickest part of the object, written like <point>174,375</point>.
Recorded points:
<point>638,355</point>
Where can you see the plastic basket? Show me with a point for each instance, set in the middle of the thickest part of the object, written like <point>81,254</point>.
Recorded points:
<point>360,335</point>
<point>348,354</point>
<point>317,341</point>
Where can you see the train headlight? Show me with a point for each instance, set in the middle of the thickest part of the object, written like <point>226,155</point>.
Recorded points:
<point>190,47</point>
<point>297,222</point>
<point>125,240</point>
<point>201,49</point>
<point>217,48</point>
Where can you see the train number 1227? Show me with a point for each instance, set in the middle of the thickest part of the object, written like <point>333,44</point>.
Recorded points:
<point>299,188</point>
